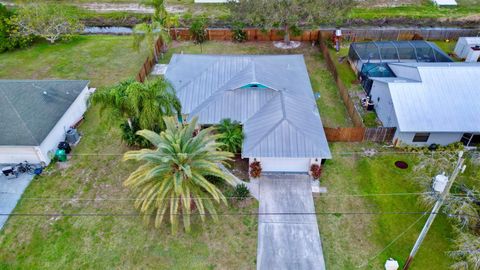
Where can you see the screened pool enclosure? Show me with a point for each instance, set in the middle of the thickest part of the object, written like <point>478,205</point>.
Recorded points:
<point>370,59</point>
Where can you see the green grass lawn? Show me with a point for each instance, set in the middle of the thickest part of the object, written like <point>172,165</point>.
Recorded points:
<point>103,60</point>
<point>331,107</point>
<point>105,242</point>
<point>109,242</point>
<point>422,11</point>
<point>350,241</point>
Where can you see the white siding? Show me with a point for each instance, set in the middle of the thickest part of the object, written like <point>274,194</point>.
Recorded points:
<point>71,116</point>
<point>380,95</point>
<point>442,138</point>
<point>17,154</point>
<point>284,164</point>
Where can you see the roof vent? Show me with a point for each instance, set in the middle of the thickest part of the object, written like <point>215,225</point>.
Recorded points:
<point>45,93</point>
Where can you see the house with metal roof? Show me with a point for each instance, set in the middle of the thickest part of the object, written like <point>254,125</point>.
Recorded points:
<point>35,115</point>
<point>430,103</point>
<point>270,95</point>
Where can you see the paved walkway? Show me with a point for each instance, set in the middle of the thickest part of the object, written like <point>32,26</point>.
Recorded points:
<point>287,241</point>
<point>10,192</point>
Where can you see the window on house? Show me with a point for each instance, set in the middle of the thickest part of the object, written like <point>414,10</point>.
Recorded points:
<point>421,137</point>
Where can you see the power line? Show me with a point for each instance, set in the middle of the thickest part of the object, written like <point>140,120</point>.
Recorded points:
<point>228,197</point>
<point>392,242</point>
<point>106,214</point>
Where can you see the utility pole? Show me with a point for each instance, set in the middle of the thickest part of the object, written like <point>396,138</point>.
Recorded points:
<point>435,210</point>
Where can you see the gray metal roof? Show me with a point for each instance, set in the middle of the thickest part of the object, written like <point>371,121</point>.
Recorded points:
<point>445,98</point>
<point>27,114</point>
<point>280,117</point>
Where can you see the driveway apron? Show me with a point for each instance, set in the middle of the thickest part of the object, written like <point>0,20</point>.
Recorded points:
<point>287,237</point>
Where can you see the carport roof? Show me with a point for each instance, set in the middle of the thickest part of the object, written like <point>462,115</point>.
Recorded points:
<point>29,109</point>
<point>270,95</point>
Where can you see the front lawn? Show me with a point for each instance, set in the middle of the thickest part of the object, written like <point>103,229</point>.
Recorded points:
<point>332,109</point>
<point>351,241</point>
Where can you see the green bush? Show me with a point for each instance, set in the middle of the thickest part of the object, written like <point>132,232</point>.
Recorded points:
<point>237,32</point>
<point>198,29</point>
<point>130,137</point>
<point>241,192</point>
<point>231,135</point>
<point>10,37</point>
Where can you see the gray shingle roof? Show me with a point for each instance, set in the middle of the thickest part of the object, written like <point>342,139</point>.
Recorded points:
<point>27,115</point>
<point>280,117</point>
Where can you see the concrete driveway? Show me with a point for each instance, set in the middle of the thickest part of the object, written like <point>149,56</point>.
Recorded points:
<point>287,240</point>
<point>10,192</point>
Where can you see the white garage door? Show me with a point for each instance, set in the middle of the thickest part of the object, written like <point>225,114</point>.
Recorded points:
<point>284,164</point>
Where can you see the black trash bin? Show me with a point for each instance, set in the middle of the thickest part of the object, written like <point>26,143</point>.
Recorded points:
<point>64,146</point>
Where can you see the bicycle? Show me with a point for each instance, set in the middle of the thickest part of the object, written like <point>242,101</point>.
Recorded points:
<point>25,167</point>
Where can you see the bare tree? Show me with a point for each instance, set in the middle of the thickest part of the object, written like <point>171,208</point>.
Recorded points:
<point>51,22</point>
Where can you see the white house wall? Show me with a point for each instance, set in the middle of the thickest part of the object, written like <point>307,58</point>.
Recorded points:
<point>380,95</point>
<point>442,138</point>
<point>284,164</point>
<point>71,116</point>
<point>17,154</point>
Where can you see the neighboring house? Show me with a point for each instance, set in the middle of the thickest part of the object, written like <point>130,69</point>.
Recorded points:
<point>430,103</point>
<point>370,59</point>
<point>270,95</point>
<point>34,116</point>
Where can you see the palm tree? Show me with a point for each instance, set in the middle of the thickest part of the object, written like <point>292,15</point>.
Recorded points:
<point>174,175</point>
<point>146,102</point>
<point>231,135</point>
<point>159,27</point>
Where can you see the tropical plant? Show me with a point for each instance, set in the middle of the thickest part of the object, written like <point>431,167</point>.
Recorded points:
<point>174,175</point>
<point>231,135</point>
<point>289,14</point>
<point>238,34</point>
<point>48,21</point>
<point>255,169</point>
<point>158,28</point>
<point>241,192</point>
<point>198,29</point>
<point>315,171</point>
<point>142,105</point>
<point>10,37</point>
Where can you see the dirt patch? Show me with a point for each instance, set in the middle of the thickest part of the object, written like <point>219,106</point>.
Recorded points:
<point>240,167</point>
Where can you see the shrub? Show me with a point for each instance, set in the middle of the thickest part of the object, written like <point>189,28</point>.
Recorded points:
<point>241,192</point>
<point>10,37</point>
<point>255,169</point>
<point>315,171</point>
<point>231,135</point>
<point>198,29</point>
<point>130,137</point>
<point>238,34</point>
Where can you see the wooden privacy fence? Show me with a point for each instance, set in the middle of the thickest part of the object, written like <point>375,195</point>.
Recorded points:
<point>359,134</point>
<point>253,34</point>
<point>348,34</point>
<point>347,100</point>
<point>149,62</point>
